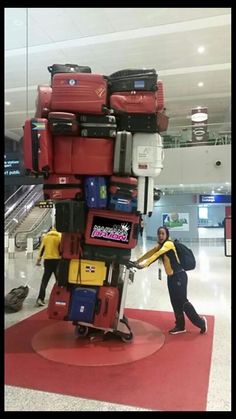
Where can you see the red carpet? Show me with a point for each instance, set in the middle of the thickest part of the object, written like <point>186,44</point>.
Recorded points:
<point>174,378</point>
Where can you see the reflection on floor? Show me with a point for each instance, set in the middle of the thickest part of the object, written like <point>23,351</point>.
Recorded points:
<point>209,289</point>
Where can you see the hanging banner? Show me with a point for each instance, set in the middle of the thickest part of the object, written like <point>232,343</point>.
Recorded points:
<point>199,124</point>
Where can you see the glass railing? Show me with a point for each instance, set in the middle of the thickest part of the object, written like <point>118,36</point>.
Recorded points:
<point>42,224</point>
<point>181,136</point>
<point>16,198</point>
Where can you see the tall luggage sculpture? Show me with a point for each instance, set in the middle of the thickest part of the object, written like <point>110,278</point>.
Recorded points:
<point>96,141</point>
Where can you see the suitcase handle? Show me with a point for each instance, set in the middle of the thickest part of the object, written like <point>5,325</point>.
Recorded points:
<point>98,306</point>
<point>106,306</point>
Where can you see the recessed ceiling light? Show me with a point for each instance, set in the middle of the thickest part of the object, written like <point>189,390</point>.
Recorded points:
<point>201,49</point>
<point>212,191</point>
<point>7,103</point>
<point>227,183</point>
<point>200,84</point>
<point>181,184</point>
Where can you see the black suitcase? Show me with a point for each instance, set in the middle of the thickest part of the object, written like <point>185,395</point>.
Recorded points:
<point>97,126</point>
<point>63,272</point>
<point>137,79</point>
<point>123,153</point>
<point>63,123</point>
<point>68,68</point>
<point>70,216</point>
<point>134,122</point>
<point>107,254</point>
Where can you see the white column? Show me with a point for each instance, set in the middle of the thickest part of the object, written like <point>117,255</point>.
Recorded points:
<point>29,249</point>
<point>53,215</point>
<point>11,247</point>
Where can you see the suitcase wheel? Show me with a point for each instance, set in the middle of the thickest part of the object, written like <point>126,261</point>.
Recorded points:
<point>127,337</point>
<point>81,330</point>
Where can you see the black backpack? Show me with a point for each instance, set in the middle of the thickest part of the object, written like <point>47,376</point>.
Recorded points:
<point>15,298</point>
<point>185,255</point>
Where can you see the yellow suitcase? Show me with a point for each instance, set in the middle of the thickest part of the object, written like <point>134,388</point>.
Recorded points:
<point>92,272</point>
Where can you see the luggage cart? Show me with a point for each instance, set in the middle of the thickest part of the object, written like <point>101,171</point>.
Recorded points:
<point>121,327</point>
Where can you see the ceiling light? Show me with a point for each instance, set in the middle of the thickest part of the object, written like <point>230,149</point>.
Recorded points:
<point>201,49</point>
<point>212,191</point>
<point>227,183</point>
<point>200,84</point>
<point>181,184</point>
<point>7,103</point>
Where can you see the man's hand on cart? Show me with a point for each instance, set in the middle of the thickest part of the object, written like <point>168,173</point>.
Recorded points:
<point>134,264</point>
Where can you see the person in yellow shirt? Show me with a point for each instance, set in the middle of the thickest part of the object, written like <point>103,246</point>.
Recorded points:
<point>176,280</point>
<point>50,251</point>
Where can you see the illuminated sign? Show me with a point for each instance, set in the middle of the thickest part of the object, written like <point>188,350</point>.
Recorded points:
<point>12,164</point>
<point>215,199</point>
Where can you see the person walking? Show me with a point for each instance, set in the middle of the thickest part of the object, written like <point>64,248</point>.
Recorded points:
<point>50,251</point>
<point>176,280</point>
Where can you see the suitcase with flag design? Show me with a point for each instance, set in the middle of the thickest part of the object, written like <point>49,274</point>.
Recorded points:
<point>71,245</point>
<point>58,305</point>
<point>62,187</point>
<point>106,307</point>
<point>82,304</point>
<point>111,228</point>
<point>43,101</point>
<point>37,146</point>
<point>87,272</point>
<point>79,92</point>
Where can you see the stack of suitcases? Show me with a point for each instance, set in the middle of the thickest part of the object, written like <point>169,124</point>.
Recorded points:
<point>96,141</point>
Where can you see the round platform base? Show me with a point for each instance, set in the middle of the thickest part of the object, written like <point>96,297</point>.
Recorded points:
<point>58,343</point>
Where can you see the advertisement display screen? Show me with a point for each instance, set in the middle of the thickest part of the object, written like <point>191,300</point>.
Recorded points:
<point>12,164</point>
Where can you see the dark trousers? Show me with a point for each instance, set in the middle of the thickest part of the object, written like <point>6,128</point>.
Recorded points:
<point>177,286</point>
<point>50,267</point>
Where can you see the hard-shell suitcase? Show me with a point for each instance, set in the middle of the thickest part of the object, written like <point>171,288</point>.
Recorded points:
<point>68,68</point>
<point>148,154</point>
<point>79,92</point>
<point>43,101</point>
<point>123,153</point>
<point>95,191</point>
<point>160,96</point>
<point>63,272</point>
<point>111,228</point>
<point>123,194</point>
<point>87,272</point>
<point>162,122</point>
<point>70,216</point>
<point>145,195</point>
<point>84,156</point>
<point>71,245</point>
<point>62,187</point>
<point>134,102</point>
<point>107,306</point>
<point>82,304</point>
<point>63,123</point>
<point>107,254</point>
<point>58,304</point>
<point>37,146</point>
<point>128,80</point>
<point>137,122</point>
<point>97,125</point>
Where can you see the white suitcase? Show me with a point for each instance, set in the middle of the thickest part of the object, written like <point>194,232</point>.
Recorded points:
<point>147,154</point>
<point>145,195</point>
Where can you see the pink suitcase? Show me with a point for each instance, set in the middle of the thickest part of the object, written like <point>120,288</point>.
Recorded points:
<point>79,92</point>
<point>112,228</point>
<point>84,155</point>
<point>134,102</point>
<point>107,306</point>
<point>37,146</point>
<point>58,304</point>
<point>71,245</point>
<point>62,187</point>
<point>43,101</point>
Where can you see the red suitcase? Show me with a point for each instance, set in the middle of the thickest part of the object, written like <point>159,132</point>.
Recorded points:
<point>124,185</point>
<point>43,101</point>
<point>58,304</point>
<point>83,155</point>
<point>160,96</point>
<point>107,306</point>
<point>79,92</point>
<point>134,102</point>
<point>112,228</point>
<point>162,122</point>
<point>37,146</point>
<point>63,123</point>
<point>71,245</point>
<point>62,187</point>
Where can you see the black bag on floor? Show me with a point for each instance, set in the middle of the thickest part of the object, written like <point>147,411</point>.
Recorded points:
<point>15,298</point>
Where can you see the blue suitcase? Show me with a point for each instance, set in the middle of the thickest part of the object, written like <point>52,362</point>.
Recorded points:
<point>95,191</point>
<point>82,305</point>
<point>123,203</point>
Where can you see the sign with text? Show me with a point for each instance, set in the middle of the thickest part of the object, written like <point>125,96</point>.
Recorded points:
<point>214,199</point>
<point>177,221</point>
<point>12,164</point>
<point>199,124</point>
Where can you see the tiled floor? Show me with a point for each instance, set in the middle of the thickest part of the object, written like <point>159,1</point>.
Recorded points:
<point>209,290</point>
